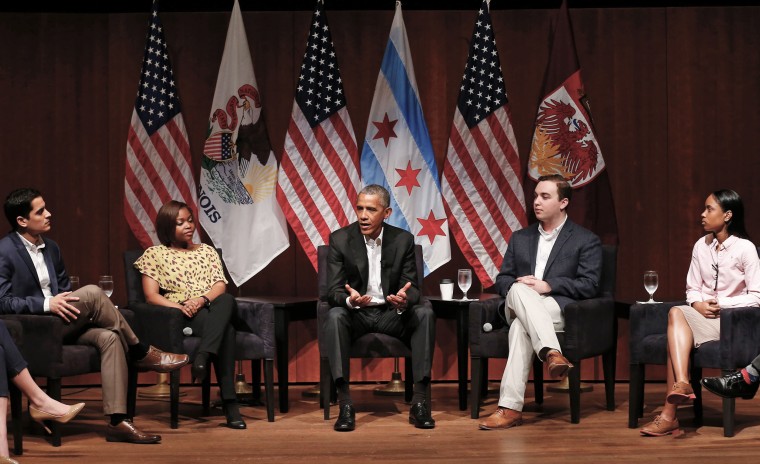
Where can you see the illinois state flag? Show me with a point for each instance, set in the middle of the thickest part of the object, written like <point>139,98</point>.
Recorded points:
<point>398,155</point>
<point>564,141</point>
<point>236,198</point>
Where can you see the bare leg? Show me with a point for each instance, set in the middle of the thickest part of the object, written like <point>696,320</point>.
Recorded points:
<point>3,426</point>
<point>680,343</point>
<point>40,400</point>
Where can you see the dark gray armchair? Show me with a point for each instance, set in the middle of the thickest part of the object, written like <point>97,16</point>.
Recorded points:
<point>590,330</point>
<point>162,327</point>
<point>738,345</point>
<point>371,345</point>
<point>47,356</point>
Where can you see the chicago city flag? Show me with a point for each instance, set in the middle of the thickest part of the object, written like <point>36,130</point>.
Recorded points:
<point>398,155</point>
<point>236,199</point>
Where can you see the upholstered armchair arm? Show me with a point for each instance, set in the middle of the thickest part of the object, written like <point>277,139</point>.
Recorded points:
<point>159,326</point>
<point>739,336</point>
<point>257,318</point>
<point>494,342</point>
<point>648,320</point>
<point>42,341</point>
<point>589,327</point>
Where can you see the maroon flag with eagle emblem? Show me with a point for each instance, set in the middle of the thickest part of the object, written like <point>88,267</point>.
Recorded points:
<point>564,139</point>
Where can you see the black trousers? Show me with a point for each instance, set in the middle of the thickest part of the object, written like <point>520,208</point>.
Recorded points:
<point>415,327</point>
<point>214,326</point>
<point>11,361</point>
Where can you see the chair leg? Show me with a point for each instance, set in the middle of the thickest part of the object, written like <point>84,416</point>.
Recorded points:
<point>206,395</point>
<point>484,379</point>
<point>608,365</point>
<point>174,398</point>
<point>269,387</point>
<point>696,375</point>
<point>574,382</point>
<point>729,416</point>
<point>475,366</point>
<point>54,391</point>
<point>131,391</point>
<point>408,380</point>
<point>324,386</point>
<point>635,395</point>
<point>16,420</point>
<point>538,380</point>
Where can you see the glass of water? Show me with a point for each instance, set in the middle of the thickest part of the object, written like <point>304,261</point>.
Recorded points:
<point>105,282</point>
<point>464,280</point>
<point>74,281</point>
<point>650,284</point>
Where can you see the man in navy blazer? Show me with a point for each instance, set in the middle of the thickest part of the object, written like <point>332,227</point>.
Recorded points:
<point>547,266</point>
<point>33,280</point>
<point>372,286</point>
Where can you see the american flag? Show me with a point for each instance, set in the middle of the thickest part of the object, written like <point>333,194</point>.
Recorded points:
<point>319,173</point>
<point>158,150</point>
<point>481,184</point>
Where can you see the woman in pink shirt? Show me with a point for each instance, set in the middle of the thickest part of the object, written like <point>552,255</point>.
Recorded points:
<point>724,273</point>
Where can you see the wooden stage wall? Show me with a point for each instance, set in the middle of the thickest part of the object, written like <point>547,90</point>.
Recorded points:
<point>674,94</point>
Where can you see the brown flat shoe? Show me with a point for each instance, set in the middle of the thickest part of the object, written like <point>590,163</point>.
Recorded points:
<point>681,393</point>
<point>503,418</point>
<point>659,427</point>
<point>559,366</point>
<point>126,432</point>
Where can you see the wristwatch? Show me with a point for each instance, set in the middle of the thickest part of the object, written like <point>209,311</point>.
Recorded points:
<point>208,302</point>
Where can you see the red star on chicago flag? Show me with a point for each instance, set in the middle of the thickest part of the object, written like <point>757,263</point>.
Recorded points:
<point>408,177</point>
<point>385,129</point>
<point>431,227</point>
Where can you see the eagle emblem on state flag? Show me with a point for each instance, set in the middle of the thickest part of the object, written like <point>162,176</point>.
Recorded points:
<point>564,142</point>
<point>237,132</point>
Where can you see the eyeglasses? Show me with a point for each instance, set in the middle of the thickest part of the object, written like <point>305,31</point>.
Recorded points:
<point>715,268</point>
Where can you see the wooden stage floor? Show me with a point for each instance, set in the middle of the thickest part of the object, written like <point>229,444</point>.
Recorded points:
<point>383,433</point>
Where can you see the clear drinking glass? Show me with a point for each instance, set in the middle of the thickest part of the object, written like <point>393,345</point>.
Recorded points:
<point>105,282</point>
<point>74,281</point>
<point>650,284</point>
<point>464,280</point>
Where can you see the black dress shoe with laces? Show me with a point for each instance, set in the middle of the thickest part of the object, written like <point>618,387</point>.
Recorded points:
<point>731,386</point>
<point>346,419</point>
<point>419,416</point>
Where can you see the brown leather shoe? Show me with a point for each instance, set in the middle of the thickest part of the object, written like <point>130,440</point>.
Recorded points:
<point>559,366</point>
<point>659,427</point>
<point>503,418</point>
<point>160,361</point>
<point>126,432</point>
<point>681,393</point>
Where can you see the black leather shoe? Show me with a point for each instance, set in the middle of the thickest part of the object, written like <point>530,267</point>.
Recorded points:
<point>199,370</point>
<point>419,415</point>
<point>731,386</point>
<point>346,419</point>
<point>232,414</point>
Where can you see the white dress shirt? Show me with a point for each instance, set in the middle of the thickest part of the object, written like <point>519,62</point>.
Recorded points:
<point>35,252</point>
<point>374,280</point>
<point>545,244</point>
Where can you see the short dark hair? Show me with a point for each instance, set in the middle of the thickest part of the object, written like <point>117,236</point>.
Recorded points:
<point>19,203</point>
<point>564,189</point>
<point>731,201</point>
<point>380,191</point>
<point>166,221</point>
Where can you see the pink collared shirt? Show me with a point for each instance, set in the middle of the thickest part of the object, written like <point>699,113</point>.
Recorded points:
<point>737,280</point>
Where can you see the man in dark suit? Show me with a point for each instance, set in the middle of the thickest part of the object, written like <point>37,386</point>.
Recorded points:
<point>367,262</point>
<point>33,280</point>
<point>547,266</point>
